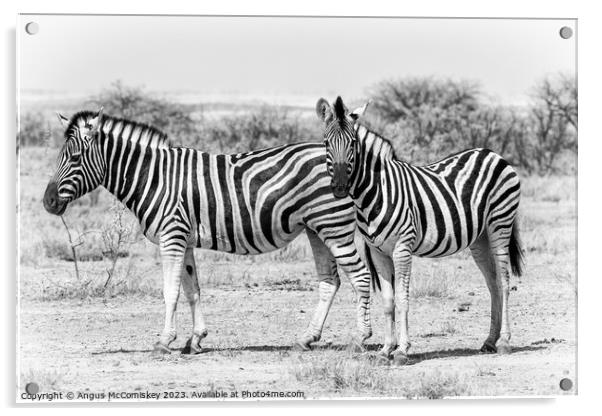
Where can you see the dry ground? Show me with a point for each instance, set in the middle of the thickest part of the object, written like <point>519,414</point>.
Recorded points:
<point>72,337</point>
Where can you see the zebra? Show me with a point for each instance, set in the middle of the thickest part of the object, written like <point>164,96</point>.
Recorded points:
<point>469,199</point>
<point>246,203</point>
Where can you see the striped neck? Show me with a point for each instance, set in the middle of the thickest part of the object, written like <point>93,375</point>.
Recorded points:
<point>127,147</point>
<point>373,154</point>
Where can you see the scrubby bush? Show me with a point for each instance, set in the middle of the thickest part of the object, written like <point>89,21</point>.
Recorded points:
<point>428,119</point>
<point>34,130</point>
<point>553,117</point>
<point>265,127</point>
<point>134,103</point>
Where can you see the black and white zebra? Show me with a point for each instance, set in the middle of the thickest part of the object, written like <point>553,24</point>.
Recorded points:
<point>246,203</point>
<point>466,200</point>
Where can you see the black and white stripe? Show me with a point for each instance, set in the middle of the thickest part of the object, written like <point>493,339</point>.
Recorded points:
<point>246,203</point>
<point>466,200</point>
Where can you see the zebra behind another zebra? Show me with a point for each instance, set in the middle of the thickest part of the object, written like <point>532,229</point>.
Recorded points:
<point>466,200</point>
<point>246,203</point>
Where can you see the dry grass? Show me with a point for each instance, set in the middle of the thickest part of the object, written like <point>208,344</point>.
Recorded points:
<point>343,373</point>
<point>47,381</point>
<point>92,285</point>
<point>435,282</point>
<point>438,385</point>
<point>347,374</point>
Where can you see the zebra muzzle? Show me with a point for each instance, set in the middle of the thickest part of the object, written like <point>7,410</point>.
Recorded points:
<point>339,191</point>
<point>52,202</point>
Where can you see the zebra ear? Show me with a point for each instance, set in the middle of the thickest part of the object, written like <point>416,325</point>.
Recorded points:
<point>358,112</point>
<point>96,122</point>
<point>323,110</point>
<point>62,119</point>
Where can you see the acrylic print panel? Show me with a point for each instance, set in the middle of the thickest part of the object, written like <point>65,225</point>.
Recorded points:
<point>165,255</point>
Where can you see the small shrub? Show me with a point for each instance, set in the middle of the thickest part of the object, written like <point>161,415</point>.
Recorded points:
<point>437,385</point>
<point>93,286</point>
<point>344,374</point>
<point>448,327</point>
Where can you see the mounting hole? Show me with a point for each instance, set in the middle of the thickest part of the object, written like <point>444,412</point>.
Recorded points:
<point>566,32</point>
<point>566,384</point>
<point>32,388</point>
<point>32,28</point>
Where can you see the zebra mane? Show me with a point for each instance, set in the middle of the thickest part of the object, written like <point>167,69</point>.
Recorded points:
<point>141,133</point>
<point>386,146</point>
<point>339,111</point>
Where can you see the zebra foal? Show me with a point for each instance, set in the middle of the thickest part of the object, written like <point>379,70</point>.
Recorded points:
<point>466,200</point>
<point>247,203</point>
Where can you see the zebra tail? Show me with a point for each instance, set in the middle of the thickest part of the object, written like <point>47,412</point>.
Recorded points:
<point>517,260</point>
<point>372,268</point>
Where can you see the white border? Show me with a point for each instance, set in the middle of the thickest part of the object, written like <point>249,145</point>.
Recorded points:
<point>590,71</point>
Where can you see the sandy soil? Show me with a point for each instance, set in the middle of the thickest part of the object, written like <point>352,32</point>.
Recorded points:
<point>95,345</point>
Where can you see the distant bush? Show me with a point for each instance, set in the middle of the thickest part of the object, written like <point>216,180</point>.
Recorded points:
<point>185,125</point>
<point>428,119</point>
<point>266,127</point>
<point>553,119</point>
<point>134,103</point>
<point>34,130</point>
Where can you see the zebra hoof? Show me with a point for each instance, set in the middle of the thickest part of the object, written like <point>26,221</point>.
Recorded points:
<point>192,349</point>
<point>488,348</point>
<point>302,345</point>
<point>386,351</point>
<point>400,359</point>
<point>504,348</point>
<point>159,350</point>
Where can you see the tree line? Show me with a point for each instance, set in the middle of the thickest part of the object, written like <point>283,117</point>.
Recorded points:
<point>426,119</point>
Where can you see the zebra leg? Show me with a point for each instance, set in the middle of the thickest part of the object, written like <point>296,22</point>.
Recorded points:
<point>356,271</point>
<point>402,259</point>
<point>191,287</point>
<point>499,244</point>
<point>483,257</point>
<point>386,271</point>
<point>172,256</point>
<point>328,286</point>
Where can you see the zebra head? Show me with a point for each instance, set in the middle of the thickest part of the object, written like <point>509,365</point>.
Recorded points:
<point>80,164</point>
<point>340,139</point>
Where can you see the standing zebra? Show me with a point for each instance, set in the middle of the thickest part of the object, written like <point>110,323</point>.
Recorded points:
<point>246,203</point>
<point>466,200</point>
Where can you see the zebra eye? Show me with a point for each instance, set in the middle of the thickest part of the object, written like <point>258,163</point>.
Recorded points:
<point>75,158</point>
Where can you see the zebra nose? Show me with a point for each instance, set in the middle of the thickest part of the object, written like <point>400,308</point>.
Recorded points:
<point>338,189</point>
<point>51,198</point>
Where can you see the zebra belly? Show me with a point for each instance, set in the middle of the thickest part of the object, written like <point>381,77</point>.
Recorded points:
<point>239,243</point>
<point>433,244</point>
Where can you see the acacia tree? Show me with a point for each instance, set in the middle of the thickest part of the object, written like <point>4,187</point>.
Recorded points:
<point>430,107</point>
<point>136,104</point>
<point>430,118</point>
<point>554,120</point>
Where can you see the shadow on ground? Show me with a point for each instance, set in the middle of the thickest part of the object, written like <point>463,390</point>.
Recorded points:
<point>370,348</point>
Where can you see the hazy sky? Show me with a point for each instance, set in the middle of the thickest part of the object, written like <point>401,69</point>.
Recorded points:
<point>287,56</point>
